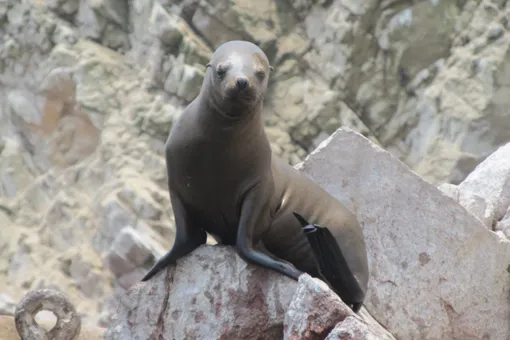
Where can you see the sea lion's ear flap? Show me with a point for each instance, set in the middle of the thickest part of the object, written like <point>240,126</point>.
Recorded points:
<point>208,65</point>
<point>271,68</point>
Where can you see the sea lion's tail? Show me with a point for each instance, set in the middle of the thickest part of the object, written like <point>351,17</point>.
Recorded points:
<point>332,264</point>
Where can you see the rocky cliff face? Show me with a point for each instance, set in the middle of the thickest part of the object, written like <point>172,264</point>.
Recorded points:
<point>89,91</point>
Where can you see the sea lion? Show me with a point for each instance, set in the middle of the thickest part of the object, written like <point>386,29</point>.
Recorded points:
<point>224,180</point>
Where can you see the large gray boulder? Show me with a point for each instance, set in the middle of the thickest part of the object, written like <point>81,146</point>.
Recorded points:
<point>436,272</point>
<point>486,191</point>
<point>491,181</point>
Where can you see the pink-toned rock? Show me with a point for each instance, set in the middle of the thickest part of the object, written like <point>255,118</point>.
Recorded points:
<point>210,294</point>
<point>314,310</point>
<point>213,294</point>
<point>353,329</point>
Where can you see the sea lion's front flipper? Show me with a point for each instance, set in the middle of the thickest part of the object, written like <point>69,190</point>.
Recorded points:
<point>332,264</point>
<point>188,237</point>
<point>253,210</point>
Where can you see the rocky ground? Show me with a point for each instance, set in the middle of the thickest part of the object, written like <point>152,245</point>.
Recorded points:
<point>89,90</point>
<point>233,300</point>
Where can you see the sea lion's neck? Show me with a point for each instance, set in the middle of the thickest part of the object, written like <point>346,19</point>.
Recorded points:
<point>231,121</point>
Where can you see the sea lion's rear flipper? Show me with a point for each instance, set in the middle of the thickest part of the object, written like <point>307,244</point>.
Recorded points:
<point>332,264</point>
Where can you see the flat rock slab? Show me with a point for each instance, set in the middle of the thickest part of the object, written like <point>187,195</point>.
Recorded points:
<point>435,271</point>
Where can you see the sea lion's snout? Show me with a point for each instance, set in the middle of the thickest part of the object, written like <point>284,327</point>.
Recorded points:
<point>240,88</point>
<point>241,83</point>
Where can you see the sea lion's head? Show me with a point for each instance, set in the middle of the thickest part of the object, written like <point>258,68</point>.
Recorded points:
<point>237,77</point>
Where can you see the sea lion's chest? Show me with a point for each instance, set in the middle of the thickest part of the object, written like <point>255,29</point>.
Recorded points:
<point>204,173</point>
<point>209,179</point>
<point>211,167</point>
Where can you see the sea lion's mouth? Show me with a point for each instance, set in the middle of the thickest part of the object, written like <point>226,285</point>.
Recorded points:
<point>238,101</point>
<point>238,107</point>
<point>246,96</point>
<point>234,102</point>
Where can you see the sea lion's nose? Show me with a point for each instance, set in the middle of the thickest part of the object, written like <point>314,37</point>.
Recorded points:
<point>241,83</point>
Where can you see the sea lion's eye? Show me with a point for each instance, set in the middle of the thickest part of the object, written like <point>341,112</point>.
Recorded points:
<point>221,70</point>
<point>260,74</point>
